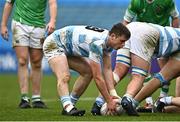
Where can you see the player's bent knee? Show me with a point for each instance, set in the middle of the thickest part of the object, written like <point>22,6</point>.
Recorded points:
<point>65,78</point>
<point>22,61</point>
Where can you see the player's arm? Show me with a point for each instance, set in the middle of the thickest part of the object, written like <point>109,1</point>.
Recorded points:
<point>6,13</point>
<point>100,82</point>
<point>108,74</point>
<point>130,12</point>
<point>53,13</point>
<point>174,15</point>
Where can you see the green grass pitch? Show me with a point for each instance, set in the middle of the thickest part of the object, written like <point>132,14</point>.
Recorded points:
<point>10,97</point>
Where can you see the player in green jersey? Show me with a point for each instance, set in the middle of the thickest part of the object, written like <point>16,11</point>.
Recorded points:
<point>28,27</point>
<point>158,12</point>
<point>152,11</point>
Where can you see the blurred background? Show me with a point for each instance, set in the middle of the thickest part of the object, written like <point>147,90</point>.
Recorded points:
<point>101,13</point>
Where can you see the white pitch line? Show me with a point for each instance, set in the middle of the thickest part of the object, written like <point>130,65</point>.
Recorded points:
<point>81,99</point>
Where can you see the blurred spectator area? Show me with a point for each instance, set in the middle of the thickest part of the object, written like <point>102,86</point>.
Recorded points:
<point>101,13</point>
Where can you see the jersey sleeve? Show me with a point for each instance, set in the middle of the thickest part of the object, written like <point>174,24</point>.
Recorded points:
<point>131,11</point>
<point>10,1</point>
<point>96,52</point>
<point>173,9</point>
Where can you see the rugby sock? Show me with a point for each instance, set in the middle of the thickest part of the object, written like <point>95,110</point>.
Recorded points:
<point>128,95</point>
<point>135,102</point>
<point>74,98</point>
<point>100,101</point>
<point>67,104</point>
<point>164,91</point>
<point>36,98</point>
<point>149,100</point>
<point>166,100</point>
<point>25,97</point>
<point>148,78</point>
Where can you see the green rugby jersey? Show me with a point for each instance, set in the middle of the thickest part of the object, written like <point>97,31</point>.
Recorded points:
<point>157,11</point>
<point>30,12</point>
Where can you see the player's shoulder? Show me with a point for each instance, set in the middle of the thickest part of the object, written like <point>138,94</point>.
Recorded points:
<point>136,5</point>
<point>136,2</point>
<point>165,2</point>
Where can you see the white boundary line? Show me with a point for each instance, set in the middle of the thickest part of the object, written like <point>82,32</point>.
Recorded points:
<point>81,99</point>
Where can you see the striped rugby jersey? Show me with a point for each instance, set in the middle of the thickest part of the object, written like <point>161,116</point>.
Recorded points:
<point>84,41</point>
<point>169,41</point>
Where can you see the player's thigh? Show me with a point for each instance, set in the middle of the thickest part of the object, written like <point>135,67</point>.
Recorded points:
<point>139,62</point>
<point>178,86</point>
<point>139,65</point>
<point>162,61</point>
<point>36,55</point>
<point>79,64</point>
<point>22,53</point>
<point>171,69</point>
<point>59,66</point>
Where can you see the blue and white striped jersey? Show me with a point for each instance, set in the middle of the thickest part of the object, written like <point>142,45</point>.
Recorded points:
<point>169,41</point>
<point>85,41</point>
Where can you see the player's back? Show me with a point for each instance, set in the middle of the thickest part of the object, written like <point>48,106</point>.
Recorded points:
<point>157,11</point>
<point>169,40</point>
<point>76,39</point>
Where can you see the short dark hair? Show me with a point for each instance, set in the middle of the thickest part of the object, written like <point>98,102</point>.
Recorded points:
<point>120,29</point>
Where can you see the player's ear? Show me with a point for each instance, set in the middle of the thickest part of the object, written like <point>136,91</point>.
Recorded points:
<point>113,35</point>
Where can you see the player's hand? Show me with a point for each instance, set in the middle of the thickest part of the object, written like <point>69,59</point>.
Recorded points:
<point>50,27</point>
<point>4,32</point>
<point>111,105</point>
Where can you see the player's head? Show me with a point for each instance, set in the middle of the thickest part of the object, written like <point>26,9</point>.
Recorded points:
<point>118,35</point>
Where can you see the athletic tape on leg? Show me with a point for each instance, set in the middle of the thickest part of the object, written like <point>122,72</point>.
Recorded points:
<point>123,56</point>
<point>160,77</point>
<point>140,71</point>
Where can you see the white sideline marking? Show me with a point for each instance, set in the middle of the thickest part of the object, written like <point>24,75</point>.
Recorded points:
<point>81,99</point>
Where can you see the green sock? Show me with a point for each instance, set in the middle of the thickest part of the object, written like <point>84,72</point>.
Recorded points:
<point>164,91</point>
<point>148,78</point>
<point>25,97</point>
<point>36,98</point>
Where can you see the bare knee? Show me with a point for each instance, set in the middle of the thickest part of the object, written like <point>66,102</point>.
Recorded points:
<point>87,72</point>
<point>36,63</point>
<point>63,79</point>
<point>22,62</point>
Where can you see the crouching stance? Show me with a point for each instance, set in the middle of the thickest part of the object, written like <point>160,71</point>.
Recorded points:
<point>148,40</point>
<point>67,48</point>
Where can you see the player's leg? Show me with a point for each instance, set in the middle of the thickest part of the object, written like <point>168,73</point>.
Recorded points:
<point>164,90</point>
<point>139,72</point>
<point>36,55</point>
<point>36,76</point>
<point>121,69</point>
<point>59,65</point>
<point>22,58</point>
<point>80,65</point>
<point>123,62</point>
<point>21,46</point>
<point>178,86</point>
<point>169,71</point>
<point>171,108</point>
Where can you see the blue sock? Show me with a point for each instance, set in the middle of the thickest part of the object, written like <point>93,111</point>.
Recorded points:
<point>100,101</point>
<point>74,98</point>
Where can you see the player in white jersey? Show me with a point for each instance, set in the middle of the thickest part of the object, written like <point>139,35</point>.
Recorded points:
<point>67,48</point>
<point>148,40</point>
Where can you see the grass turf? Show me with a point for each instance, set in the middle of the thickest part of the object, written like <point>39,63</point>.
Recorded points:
<point>10,98</point>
